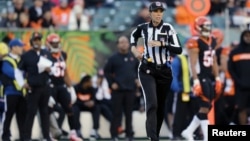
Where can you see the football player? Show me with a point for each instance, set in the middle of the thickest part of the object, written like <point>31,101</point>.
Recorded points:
<point>61,87</point>
<point>204,72</point>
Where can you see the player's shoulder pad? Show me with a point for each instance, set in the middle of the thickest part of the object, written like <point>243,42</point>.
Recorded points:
<point>192,42</point>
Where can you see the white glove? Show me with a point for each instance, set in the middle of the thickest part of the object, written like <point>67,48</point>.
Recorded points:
<point>51,102</point>
<point>72,93</point>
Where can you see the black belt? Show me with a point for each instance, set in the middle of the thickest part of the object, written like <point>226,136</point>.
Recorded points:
<point>154,65</point>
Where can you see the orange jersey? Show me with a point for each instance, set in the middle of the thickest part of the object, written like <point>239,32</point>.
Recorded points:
<point>61,16</point>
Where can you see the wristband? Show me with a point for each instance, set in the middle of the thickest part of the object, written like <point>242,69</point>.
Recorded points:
<point>217,78</point>
<point>162,43</point>
<point>196,81</point>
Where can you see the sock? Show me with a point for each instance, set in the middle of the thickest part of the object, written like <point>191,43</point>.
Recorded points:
<point>204,128</point>
<point>193,125</point>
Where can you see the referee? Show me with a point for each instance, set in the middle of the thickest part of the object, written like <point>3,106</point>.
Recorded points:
<point>155,74</point>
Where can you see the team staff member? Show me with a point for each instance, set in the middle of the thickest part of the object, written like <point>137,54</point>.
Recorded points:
<point>185,103</point>
<point>14,93</point>
<point>155,74</point>
<point>201,51</point>
<point>239,59</point>
<point>120,71</point>
<point>38,95</point>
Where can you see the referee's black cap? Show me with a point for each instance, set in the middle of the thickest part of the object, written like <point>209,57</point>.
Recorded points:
<point>156,5</point>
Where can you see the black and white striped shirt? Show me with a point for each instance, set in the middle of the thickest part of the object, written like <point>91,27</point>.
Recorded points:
<point>164,31</point>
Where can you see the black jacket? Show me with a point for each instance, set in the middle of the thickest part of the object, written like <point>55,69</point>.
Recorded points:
<point>28,63</point>
<point>239,62</point>
<point>122,69</point>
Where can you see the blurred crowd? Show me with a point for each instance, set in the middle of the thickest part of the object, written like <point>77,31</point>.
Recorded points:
<point>78,14</point>
<point>59,14</point>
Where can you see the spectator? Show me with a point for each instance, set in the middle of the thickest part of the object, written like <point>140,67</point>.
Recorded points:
<point>86,102</point>
<point>20,7</point>
<point>47,20</point>
<point>11,19</point>
<point>94,3</point>
<point>24,21</point>
<point>143,16</point>
<point>36,14</point>
<point>182,16</point>
<point>172,3</point>
<point>121,73</point>
<point>14,91</point>
<point>77,19</point>
<point>217,7</point>
<point>61,14</point>
<point>48,5</point>
<point>55,2</point>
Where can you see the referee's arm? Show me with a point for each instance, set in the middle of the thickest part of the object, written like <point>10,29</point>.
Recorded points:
<point>174,44</point>
<point>135,35</point>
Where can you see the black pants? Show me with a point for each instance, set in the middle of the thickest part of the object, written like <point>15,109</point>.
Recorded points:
<point>225,111</point>
<point>62,96</point>
<point>15,104</point>
<point>184,112</point>
<point>122,102</point>
<point>156,84</point>
<point>105,109</point>
<point>95,112</point>
<point>37,99</point>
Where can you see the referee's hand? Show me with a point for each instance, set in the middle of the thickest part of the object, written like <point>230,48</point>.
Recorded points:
<point>154,43</point>
<point>136,53</point>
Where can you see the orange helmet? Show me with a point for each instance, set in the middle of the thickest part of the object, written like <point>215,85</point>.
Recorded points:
<point>218,34</point>
<point>53,42</point>
<point>203,26</point>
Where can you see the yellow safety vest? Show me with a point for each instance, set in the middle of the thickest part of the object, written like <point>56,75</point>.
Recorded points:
<point>1,90</point>
<point>14,64</point>
<point>185,78</point>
